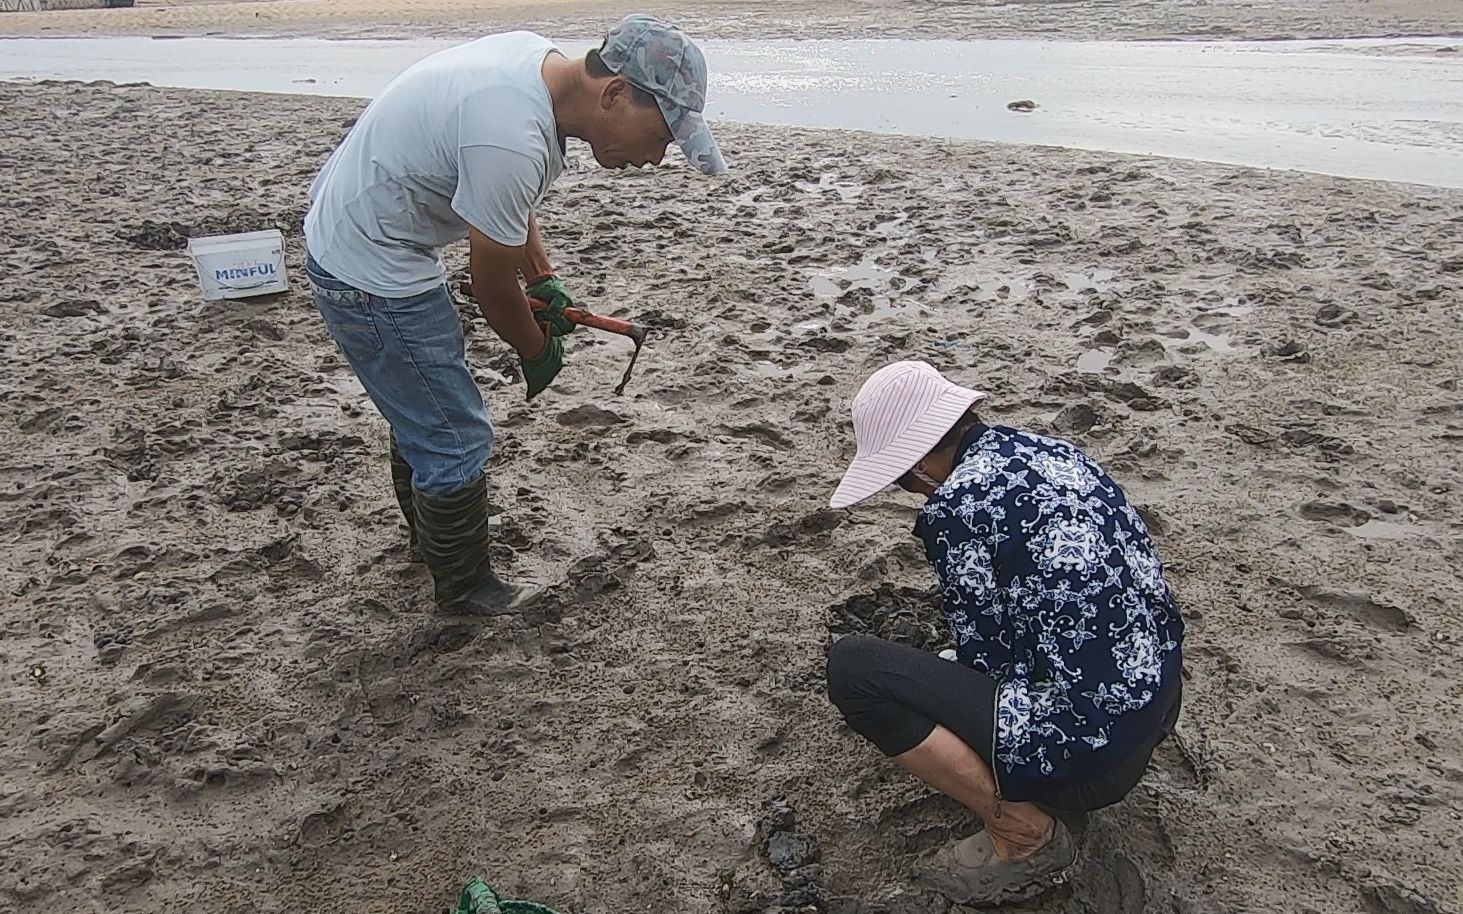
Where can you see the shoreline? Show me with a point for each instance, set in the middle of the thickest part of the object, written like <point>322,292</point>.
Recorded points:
<point>1091,20</point>
<point>1053,39</point>
<point>1372,109</point>
<point>834,133</point>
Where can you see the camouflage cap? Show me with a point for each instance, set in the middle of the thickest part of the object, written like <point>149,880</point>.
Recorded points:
<point>663,61</point>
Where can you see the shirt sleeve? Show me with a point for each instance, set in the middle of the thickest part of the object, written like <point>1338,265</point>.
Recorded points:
<point>962,563</point>
<point>497,189</point>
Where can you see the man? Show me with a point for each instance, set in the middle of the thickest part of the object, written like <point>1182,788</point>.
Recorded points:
<point>1067,667</point>
<point>463,145</point>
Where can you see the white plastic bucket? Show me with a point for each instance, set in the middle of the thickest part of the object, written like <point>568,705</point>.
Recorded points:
<point>238,266</point>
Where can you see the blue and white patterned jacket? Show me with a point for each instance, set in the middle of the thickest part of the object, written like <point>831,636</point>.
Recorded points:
<point>1051,586</point>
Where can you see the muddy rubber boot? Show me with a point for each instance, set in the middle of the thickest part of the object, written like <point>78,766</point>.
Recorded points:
<point>452,533</point>
<point>401,484</point>
<point>969,872</point>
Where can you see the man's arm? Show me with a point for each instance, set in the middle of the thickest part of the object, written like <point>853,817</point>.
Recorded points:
<point>496,189</point>
<point>494,269</point>
<point>536,263</point>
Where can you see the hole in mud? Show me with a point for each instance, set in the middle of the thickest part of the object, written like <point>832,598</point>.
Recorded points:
<point>1364,608</point>
<point>1342,515</point>
<point>905,615</point>
<point>453,638</point>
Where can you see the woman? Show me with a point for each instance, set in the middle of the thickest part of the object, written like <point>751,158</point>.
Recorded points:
<point>1067,667</point>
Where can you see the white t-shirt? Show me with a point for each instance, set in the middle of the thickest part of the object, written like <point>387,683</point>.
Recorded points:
<point>464,137</point>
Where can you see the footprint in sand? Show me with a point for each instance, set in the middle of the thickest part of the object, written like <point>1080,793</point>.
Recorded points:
<point>1116,888</point>
<point>1364,608</point>
<point>1075,419</point>
<point>1107,878</point>
<point>1208,333</point>
<point>1147,353</point>
<point>919,820</point>
<point>1197,341</point>
<point>1391,898</point>
<point>323,828</point>
<point>807,528</point>
<point>589,416</point>
<point>1333,316</point>
<point>1288,351</point>
<point>1339,514</point>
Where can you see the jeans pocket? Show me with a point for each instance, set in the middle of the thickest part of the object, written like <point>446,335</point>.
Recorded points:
<point>428,327</point>
<point>320,279</point>
<point>349,318</point>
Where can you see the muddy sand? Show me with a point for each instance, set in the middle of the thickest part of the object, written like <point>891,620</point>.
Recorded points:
<point>224,688</point>
<point>765,18</point>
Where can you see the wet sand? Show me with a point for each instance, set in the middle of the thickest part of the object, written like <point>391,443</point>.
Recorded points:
<point>765,18</point>
<point>247,703</point>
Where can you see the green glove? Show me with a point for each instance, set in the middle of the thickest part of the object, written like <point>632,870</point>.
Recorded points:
<point>479,898</point>
<point>551,291</point>
<point>540,370</point>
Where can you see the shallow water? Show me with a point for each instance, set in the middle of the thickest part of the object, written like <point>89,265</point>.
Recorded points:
<point>1383,529</point>
<point>1094,361</point>
<point>1213,341</point>
<point>1336,107</point>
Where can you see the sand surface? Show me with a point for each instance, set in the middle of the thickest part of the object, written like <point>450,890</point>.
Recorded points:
<point>766,18</point>
<point>224,688</point>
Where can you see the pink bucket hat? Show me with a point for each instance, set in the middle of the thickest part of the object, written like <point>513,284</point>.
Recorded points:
<point>899,415</point>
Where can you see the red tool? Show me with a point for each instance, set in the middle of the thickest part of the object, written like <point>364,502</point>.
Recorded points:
<point>635,332</point>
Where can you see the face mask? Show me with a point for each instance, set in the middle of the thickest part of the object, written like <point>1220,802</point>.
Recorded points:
<point>918,474</point>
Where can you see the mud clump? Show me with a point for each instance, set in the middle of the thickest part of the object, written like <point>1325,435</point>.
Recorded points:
<point>794,855</point>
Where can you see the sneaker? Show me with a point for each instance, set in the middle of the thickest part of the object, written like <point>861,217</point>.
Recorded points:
<point>969,872</point>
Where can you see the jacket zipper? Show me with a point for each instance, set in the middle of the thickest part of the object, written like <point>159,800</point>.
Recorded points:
<point>995,743</point>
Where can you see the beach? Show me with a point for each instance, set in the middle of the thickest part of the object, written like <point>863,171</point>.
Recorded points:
<point>225,686</point>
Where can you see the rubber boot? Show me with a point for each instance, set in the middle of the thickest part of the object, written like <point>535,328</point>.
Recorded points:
<point>452,533</point>
<point>401,483</point>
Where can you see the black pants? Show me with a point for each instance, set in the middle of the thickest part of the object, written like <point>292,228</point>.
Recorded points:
<point>895,695</point>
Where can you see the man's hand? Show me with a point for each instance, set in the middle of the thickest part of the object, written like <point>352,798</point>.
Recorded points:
<point>494,270</point>
<point>551,291</point>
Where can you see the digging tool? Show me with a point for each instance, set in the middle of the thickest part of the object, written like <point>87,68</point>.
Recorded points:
<point>635,332</point>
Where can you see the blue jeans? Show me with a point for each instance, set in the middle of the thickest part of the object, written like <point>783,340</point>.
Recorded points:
<point>410,355</point>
